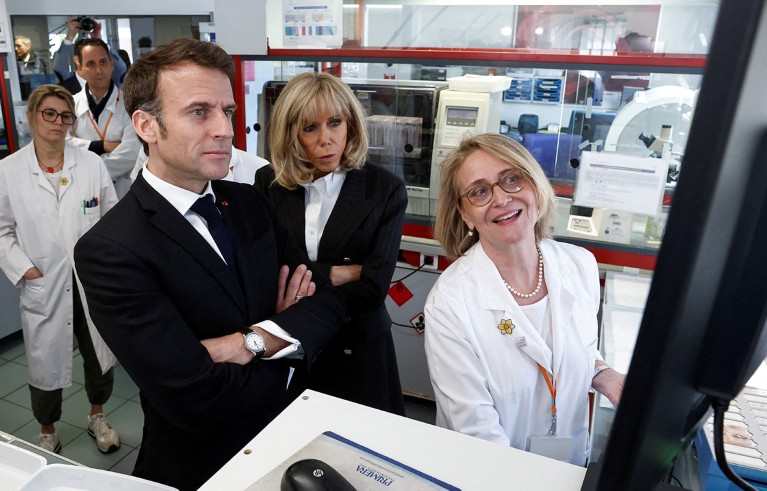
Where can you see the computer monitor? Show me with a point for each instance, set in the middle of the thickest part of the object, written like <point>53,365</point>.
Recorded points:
<point>592,126</point>
<point>702,335</point>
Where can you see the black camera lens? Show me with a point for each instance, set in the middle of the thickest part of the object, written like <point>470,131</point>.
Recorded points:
<point>86,23</point>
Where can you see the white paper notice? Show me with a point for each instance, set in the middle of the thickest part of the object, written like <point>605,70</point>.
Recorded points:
<point>312,23</point>
<point>621,182</point>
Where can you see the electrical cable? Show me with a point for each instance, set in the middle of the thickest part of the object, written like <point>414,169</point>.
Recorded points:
<point>419,268</point>
<point>402,325</point>
<point>720,406</point>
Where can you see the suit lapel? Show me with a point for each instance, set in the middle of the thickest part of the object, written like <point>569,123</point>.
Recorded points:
<point>350,210</point>
<point>172,224</point>
<point>290,205</point>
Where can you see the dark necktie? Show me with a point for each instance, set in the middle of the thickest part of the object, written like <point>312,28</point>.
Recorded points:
<point>222,234</point>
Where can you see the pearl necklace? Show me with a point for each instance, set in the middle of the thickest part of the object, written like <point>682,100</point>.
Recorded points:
<point>540,280</point>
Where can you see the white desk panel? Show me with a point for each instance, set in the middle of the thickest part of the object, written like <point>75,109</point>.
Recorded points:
<point>463,461</point>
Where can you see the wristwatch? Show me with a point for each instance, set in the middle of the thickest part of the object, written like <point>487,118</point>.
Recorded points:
<point>254,342</point>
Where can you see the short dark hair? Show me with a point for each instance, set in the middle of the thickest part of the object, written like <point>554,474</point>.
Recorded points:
<point>83,42</point>
<point>142,80</point>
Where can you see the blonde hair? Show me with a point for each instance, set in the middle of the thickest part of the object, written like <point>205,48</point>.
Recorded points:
<point>301,99</point>
<point>43,91</point>
<point>449,228</point>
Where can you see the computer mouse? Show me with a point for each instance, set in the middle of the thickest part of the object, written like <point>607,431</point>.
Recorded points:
<point>313,475</point>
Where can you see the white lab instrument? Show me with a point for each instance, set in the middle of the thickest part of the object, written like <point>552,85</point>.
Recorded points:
<point>653,108</point>
<point>471,105</point>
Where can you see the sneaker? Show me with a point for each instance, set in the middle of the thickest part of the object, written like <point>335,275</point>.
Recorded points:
<point>49,442</point>
<point>106,437</point>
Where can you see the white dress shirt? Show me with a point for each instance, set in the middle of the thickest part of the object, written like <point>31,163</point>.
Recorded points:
<point>319,199</point>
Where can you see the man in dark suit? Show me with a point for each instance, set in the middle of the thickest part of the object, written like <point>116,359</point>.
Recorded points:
<point>170,295</point>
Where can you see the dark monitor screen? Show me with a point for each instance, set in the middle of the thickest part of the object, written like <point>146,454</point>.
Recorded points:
<point>627,93</point>
<point>592,127</point>
<point>703,331</point>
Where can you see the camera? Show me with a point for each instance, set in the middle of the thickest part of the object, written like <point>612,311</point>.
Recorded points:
<point>86,23</point>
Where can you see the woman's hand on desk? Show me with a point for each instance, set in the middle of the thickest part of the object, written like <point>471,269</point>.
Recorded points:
<point>299,286</point>
<point>609,383</point>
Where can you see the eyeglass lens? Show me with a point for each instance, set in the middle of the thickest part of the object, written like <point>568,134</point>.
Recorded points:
<point>481,194</point>
<point>50,115</point>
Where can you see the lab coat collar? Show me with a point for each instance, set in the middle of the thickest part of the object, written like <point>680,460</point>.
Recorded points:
<point>493,295</point>
<point>111,106</point>
<point>67,170</point>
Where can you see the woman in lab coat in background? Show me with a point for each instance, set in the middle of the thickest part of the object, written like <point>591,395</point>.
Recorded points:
<point>51,193</point>
<point>514,318</point>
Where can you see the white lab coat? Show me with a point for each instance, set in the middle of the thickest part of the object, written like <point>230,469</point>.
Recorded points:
<point>38,229</point>
<point>242,166</point>
<point>488,384</point>
<point>117,123</point>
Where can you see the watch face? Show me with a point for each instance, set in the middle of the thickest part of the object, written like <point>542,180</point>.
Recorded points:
<point>254,342</point>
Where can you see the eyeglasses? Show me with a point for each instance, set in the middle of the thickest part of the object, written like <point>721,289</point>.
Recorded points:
<point>481,194</point>
<point>50,115</point>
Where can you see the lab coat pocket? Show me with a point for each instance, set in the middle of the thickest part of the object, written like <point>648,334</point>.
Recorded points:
<point>33,296</point>
<point>90,217</point>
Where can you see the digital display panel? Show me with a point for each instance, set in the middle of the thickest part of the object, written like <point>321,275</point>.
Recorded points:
<point>462,116</point>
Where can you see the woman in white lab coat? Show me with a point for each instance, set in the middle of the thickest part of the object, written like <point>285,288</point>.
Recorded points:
<point>513,321</point>
<point>51,193</point>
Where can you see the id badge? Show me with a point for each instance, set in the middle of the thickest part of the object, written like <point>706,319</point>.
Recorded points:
<point>554,447</point>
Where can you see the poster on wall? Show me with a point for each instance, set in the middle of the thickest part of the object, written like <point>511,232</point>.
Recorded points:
<point>621,182</point>
<point>312,23</point>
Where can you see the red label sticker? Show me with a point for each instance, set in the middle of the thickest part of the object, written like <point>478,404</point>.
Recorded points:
<point>400,294</point>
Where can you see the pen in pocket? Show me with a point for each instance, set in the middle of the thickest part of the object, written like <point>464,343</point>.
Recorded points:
<point>91,203</point>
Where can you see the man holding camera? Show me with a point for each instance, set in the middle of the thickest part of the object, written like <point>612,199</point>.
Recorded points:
<point>65,64</point>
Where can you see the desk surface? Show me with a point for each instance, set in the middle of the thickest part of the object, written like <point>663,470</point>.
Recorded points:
<point>463,461</point>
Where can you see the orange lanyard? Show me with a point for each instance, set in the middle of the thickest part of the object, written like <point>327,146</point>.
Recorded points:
<point>553,391</point>
<point>103,136</point>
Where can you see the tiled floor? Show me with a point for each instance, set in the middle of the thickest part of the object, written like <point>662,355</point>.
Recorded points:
<point>123,411</point>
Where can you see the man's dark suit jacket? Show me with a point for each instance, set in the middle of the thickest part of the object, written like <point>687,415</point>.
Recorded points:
<point>71,84</point>
<point>155,288</point>
<point>364,228</point>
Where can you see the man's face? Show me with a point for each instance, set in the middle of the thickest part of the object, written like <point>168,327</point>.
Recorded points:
<point>194,143</point>
<point>22,50</point>
<point>95,66</point>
